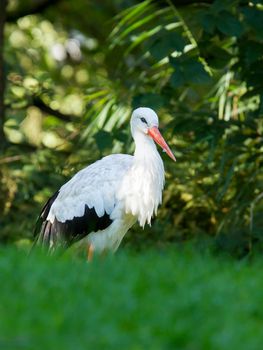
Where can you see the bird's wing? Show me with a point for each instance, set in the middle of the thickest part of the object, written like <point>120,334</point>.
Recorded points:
<point>85,203</point>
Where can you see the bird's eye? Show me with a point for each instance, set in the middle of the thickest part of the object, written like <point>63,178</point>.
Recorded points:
<point>144,120</point>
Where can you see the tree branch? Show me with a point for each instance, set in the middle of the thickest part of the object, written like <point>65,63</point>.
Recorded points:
<point>3,4</point>
<point>10,159</point>
<point>37,102</point>
<point>190,2</point>
<point>39,6</point>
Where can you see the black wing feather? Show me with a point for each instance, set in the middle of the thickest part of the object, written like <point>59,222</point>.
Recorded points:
<point>63,234</point>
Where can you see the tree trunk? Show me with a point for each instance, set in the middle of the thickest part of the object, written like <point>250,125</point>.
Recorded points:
<point>3,4</point>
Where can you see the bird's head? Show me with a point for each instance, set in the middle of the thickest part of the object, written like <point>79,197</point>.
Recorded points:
<point>144,120</point>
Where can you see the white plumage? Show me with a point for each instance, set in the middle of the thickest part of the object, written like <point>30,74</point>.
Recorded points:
<point>89,187</point>
<point>112,193</point>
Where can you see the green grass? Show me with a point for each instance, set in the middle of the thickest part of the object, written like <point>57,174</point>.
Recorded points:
<point>178,299</point>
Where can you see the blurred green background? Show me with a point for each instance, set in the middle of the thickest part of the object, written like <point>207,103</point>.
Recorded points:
<point>71,73</point>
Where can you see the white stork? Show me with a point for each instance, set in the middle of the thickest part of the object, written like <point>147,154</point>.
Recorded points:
<point>102,201</point>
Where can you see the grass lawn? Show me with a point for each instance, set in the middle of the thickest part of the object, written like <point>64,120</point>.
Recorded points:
<point>175,299</point>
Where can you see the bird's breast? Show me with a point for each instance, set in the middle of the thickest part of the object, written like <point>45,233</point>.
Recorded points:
<point>141,190</point>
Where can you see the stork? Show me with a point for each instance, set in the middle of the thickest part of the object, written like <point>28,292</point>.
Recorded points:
<point>101,202</point>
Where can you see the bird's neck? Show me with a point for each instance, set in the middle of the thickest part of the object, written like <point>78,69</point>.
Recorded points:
<point>145,149</point>
<point>145,181</point>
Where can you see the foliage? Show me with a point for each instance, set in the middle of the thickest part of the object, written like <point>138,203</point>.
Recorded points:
<point>197,65</point>
<point>71,86</point>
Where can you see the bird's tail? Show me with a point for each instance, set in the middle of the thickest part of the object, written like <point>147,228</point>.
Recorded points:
<point>44,232</point>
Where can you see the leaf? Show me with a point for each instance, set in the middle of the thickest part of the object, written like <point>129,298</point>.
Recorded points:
<point>254,20</point>
<point>151,100</point>
<point>217,57</point>
<point>228,24</point>
<point>251,50</point>
<point>208,22</point>
<point>219,5</point>
<point>103,139</point>
<point>188,71</point>
<point>166,44</point>
<point>120,136</point>
<point>228,178</point>
<point>195,72</point>
<point>177,78</point>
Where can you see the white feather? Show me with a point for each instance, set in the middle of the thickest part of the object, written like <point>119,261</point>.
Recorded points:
<point>142,185</point>
<point>87,188</point>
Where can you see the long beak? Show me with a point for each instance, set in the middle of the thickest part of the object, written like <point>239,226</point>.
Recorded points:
<point>155,134</point>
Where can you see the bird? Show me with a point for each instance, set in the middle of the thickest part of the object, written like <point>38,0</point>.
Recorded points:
<point>101,202</point>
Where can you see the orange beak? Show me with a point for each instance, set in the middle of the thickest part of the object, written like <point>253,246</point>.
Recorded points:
<point>155,134</point>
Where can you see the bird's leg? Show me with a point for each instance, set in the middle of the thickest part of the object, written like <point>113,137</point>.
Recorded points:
<point>90,251</point>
